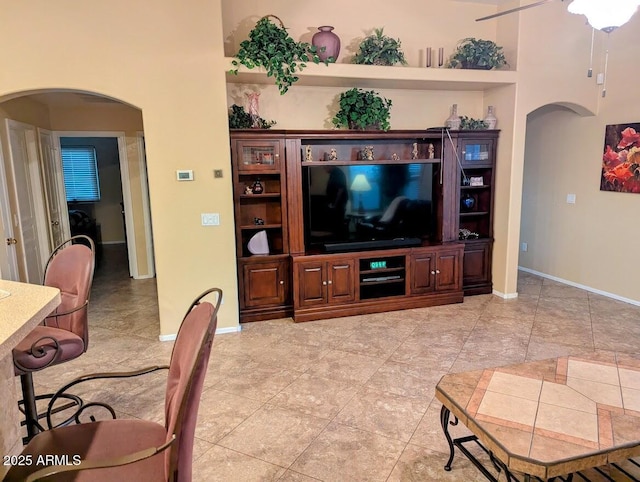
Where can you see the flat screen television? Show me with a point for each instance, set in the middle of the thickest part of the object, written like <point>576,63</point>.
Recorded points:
<point>356,206</point>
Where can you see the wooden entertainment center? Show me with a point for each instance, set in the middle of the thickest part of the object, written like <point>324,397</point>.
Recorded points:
<point>451,175</point>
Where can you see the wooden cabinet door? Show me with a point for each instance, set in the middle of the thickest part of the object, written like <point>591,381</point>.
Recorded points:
<point>477,151</point>
<point>258,155</point>
<point>311,283</point>
<point>422,273</point>
<point>341,282</point>
<point>477,265</point>
<point>265,283</point>
<point>447,271</point>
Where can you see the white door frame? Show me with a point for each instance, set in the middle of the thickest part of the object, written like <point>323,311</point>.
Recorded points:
<point>58,179</point>
<point>146,209</point>
<point>8,261</point>
<point>35,180</point>
<point>126,189</point>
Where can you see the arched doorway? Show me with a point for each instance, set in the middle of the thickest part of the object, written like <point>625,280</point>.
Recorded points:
<point>32,158</point>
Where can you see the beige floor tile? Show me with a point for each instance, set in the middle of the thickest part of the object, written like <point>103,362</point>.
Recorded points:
<point>541,349</point>
<point>405,380</point>
<point>320,397</point>
<point>274,434</point>
<point>429,433</point>
<point>559,290</point>
<point>431,352</point>
<point>528,278</point>
<point>223,465</point>
<point>284,381</point>
<point>345,366</point>
<point>524,307</point>
<point>291,355</point>
<point>387,414</point>
<point>424,465</point>
<point>221,412</point>
<point>567,332</point>
<point>343,453</point>
<point>373,341</point>
<point>291,476</point>
<point>258,382</point>
<point>529,289</point>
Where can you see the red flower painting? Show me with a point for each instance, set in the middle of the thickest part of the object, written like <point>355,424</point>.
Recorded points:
<point>621,158</point>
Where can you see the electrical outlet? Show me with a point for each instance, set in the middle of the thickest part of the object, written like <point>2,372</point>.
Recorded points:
<point>210,219</point>
<point>571,198</point>
<point>217,173</point>
<point>524,246</point>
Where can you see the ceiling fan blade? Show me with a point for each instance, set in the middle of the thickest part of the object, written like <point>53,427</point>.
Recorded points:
<point>517,9</point>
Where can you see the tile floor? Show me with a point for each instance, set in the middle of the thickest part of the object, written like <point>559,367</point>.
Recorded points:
<point>347,399</point>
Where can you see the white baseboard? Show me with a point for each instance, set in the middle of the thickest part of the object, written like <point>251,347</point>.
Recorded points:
<point>506,296</point>
<point>578,285</point>
<point>219,331</point>
<point>113,242</point>
<point>145,276</point>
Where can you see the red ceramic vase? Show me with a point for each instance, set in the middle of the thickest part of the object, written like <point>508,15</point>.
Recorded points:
<point>327,39</point>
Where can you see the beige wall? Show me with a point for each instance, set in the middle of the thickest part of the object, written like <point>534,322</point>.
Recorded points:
<point>419,24</point>
<point>590,242</point>
<point>25,110</point>
<point>165,60</point>
<point>583,243</point>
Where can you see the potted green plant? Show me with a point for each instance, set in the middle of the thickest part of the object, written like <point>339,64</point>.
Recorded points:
<point>363,109</point>
<point>241,119</point>
<point>469,123</point>
<point>472,53</point>
<point>270,46</point>
<point>379,49</point>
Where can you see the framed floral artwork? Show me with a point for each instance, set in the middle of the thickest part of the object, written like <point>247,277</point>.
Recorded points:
<point>621,158</point>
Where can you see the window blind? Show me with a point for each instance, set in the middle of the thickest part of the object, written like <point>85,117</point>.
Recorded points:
<point>80,172</point>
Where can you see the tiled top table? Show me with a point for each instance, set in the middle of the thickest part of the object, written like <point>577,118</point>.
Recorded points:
<point>550,417</point>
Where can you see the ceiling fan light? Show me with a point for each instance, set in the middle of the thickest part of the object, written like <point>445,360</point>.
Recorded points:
<point>605,15</point>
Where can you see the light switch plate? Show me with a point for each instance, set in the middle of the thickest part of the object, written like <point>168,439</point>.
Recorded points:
<point>210,219</point>
<point>571,198</point>
<point>217,173</point>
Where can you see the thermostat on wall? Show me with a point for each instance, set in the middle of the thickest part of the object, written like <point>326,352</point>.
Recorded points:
<point>184,175</point>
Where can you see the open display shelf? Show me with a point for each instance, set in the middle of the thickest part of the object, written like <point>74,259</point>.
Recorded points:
<point>361,221</point>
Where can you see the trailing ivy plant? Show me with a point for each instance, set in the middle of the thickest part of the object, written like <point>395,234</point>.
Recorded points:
<point>469,123</point>
<point>241,119</point>
<point>363,109</point>
<point>379,49</point>
<point>270,46</point>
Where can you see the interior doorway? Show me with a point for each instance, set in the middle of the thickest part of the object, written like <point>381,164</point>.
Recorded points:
<point>61,113</point>
<point>114,216</point>
<point>93,189</point>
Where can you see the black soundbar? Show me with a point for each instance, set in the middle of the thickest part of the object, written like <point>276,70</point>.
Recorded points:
<point>374,244</point>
